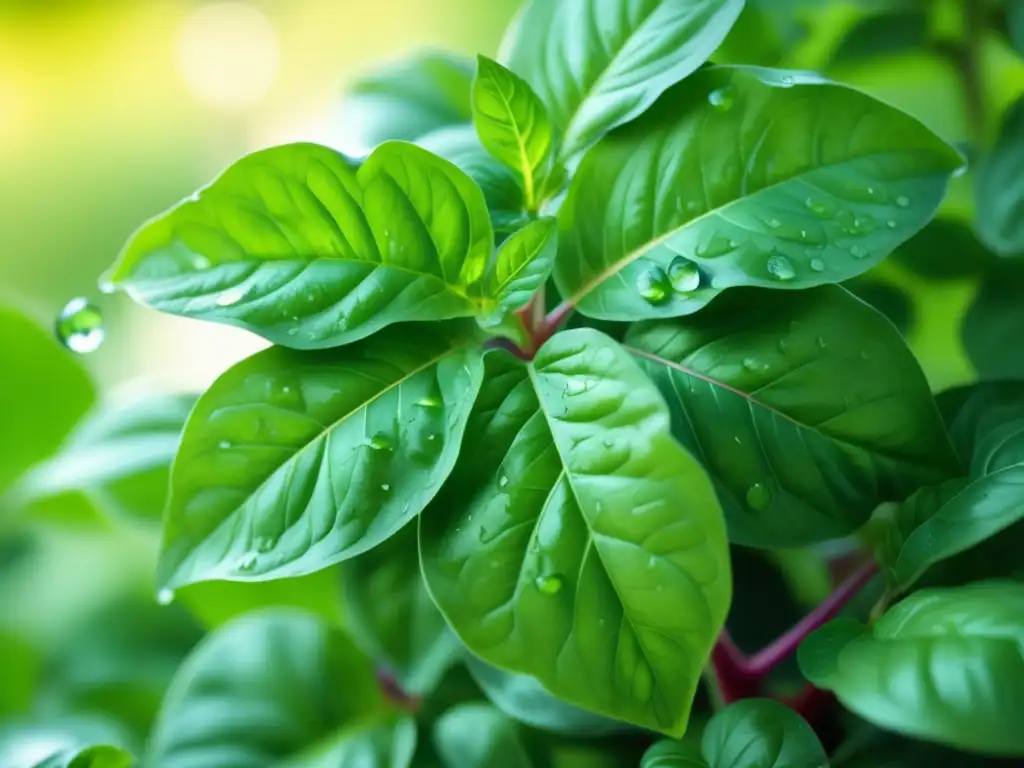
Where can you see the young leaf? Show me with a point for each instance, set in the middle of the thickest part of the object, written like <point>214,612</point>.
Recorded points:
<point>945,665</point>
<point>297,244</point>
<point>672,754</point>
<point>598,65</point>
<point>294,461</point>
<point>478,735</point>
<point>807,409</point>
<point>576,541</point>
<point>761,733</point>
<point>512,124</point>
<point>273,688</point>
<point>523,264</point>
<point>406,100</point>
<point>41,403</point>
<point>744,176</point>
<point>120,457</point>
<point>391,616</point>
<point>939,522</point>
<point>999,188</point>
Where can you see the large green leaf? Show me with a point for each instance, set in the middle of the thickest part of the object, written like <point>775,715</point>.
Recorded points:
<point>807,409</point>
<point>945,665</point>
<point>480,736</point>
<point>293,461</point>
<point>44,394</point>
<point>597,65</point>
<point>393,618</point>
<point>119,457</point>
<point>406,100</point>
<point>761,733</point>
<point>513,125</point>
<point>576,541</point>
<point>999,188</point>
<point>277,688</point>
<point>299,245</point>
<point>994,323</point>
<point>939,522</point>
<point>744,176</point>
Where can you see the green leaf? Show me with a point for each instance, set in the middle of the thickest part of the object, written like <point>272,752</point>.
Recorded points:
<point>744,176</point>
<point>994,324</point>
<point>40,405</point>
<point>599,65</point>
<point>83,741</point>
<point>882,35</point>
<point>460,145</point>
<point>761,733</point>
<point>119,457</point>
<point>406,100</point>
<point>1015,24</point>
<point>807,409</point>
<point>945,249</point>
<point>576,541</point>
<point>91,757</point>
<point>513,125</point>
<point>891,301</point>
<point>274,688</point>
<point>297,244</point>
<point>293,461</point>
<point>480,736</point>
<point>945,665</point>
<point>672,754</point>
<point>393,618</point>
<point>999,188</point>
<point>523,264</point>
<point>22,665</point>
<point>524,699</point>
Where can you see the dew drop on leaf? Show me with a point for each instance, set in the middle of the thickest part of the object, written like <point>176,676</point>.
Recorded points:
<point>385,487</point>
<point>224,444</point>
<point>902,201</point>
<point>80,326</point>
<point>231,296</point>
<point>818,207</point>
<point>200,262</point>
<point>430,401</point>
<point>722,98</point>
<point>858,251</point>
<point>549,584</point>
<point>818,265</point>
<point>781,268</point>
<point>683,275</point>
<point>773,223</point>
<point>891,224</point>
<point>381,442</point>
<point>653,285</point>
<point>502,481</point>
<point>750,363</point>
<point>759,497</point>
<point>165,596</point>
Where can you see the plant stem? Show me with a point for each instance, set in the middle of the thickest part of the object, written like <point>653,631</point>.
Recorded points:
<point>970,69</point>
<point>508,345</point>
<point>761,663</point>
<point>554,320</point>
<point>731,667</point>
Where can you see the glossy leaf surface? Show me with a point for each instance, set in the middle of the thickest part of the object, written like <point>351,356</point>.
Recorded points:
<point>391,616</point>
<point>577,542</point>
<point>276,688</point>
<point>744,176</point>
<point>512,124</point>
<point>293,461</point>
<point>523,263</point>
<point>999,188</point>
<point>479,735</point>
<point>298,245</point>
<point>761,733</point>
<point>672,754</point>
<point>807,409</point>
<point>597,65</point>
<point>945,665</point>
<point>406,100</point>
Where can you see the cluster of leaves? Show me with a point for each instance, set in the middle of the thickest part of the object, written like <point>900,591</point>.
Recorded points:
<point>575,342</point>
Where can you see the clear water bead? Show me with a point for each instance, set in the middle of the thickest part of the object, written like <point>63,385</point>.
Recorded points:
<point>80,326</point>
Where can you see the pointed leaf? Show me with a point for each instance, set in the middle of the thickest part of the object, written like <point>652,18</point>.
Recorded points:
<point>512,124</point>
<point>999,188</point>
<point>391,616</point>
<point>294,461</point>
<point>598,65</point>
<point>761,733</point>
<point>807,409</point>
<point>276,688</point>
<point>577,542</point>
<point>945,665</point>
<point>297,244</point>
<point>744,176</point>
<point>672,754</point>
<point>523,263</point>
<point>478,735</point>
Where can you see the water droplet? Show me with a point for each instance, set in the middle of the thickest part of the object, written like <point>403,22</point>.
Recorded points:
<point>653,285</point>
<point>737,440</point>
<point>246,562</point>
<point>750,364</point>
<point>381,442</point>
<point>683,275</point>
<point>385,487</point>
<point>871,190</point>
<point>819,208</point>
<point>902,201</point>
<point>310,297</point>
<point>858,251</point>
<point>722,98</point>
<point>80,326</point>
<point>165,596</point>
<point>502,481</point>
<point>431,437</point>
<point>759,497</point>
<point>781,268</point>
<point>818,265</point>
<point>430,401</point>
<point>224,444</point>
<point>773,223</point>
<point>200,262</point>
<point>231,296</point>
<point>550,584</point>
<point>891,224</point>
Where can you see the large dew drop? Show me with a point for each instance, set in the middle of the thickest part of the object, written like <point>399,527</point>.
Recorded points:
<point>722,98</point>
<point>165,596</point>
<point>653,285</point>
<point>759,497</point>
<point>80,326</point>
<point>381,442</point>
<point>683,275</point>
<point>549,584</point>
<point>781,268</point>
